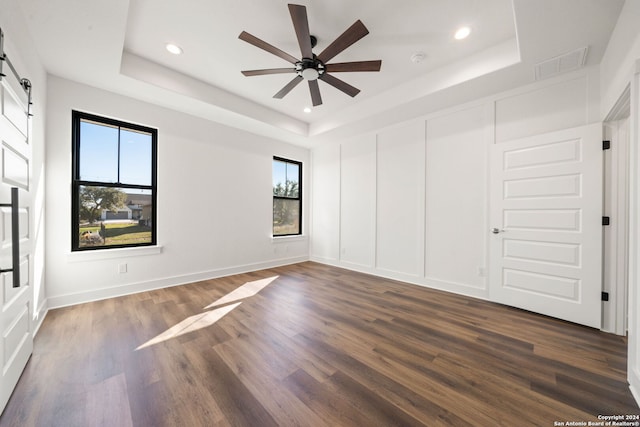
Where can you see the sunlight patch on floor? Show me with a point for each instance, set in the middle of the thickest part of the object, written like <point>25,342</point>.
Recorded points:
<point>247,290</point>
<point>190,324</point>
<point>203,320</point>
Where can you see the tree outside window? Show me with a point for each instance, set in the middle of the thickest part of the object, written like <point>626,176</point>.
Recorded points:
<point>287,197</point>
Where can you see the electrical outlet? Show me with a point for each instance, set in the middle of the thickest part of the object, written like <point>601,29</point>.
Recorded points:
<point>122,268</point>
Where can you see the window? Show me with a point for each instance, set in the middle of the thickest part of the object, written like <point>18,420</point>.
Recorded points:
<point>287,197</point>
<point>113,182</point>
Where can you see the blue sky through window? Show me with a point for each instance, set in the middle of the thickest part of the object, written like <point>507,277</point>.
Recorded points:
<point>279,172</point>
<point>135,157</point>
<point>283,171</point>
<point>99,154</point>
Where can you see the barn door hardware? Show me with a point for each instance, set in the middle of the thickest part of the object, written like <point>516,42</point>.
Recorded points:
<point>24,83</point>
<point>15,237</point>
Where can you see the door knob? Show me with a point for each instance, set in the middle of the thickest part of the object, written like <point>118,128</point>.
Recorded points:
<point>496,230</point>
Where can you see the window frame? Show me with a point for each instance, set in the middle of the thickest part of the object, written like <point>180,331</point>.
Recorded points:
<point>76,119</point>
<point>299,198</point>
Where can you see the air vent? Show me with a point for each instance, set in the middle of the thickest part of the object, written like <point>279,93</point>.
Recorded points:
<point>560,64</point>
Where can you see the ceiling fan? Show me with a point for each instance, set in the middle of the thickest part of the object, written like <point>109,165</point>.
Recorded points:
<point>314,67</point>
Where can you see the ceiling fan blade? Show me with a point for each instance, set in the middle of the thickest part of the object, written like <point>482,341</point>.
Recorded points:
<point>285,90</point>
<point>340,85</point>
<point>315,93</point>
<point>249,73</point>
<point>353,66</point>
<point>301,25</point>
<point>346,39</point>
<point>251,39</point>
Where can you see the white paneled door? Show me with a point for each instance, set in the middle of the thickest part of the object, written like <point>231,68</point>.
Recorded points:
<point>546,224</point>
<point>16,336</point>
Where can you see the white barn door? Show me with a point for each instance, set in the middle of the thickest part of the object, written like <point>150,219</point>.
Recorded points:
<point>16,336</point>
<point>546,224</point>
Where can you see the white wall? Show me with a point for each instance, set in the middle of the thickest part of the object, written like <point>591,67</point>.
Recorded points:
<point>400,200</point>
<point>528,112</point>
<point>21,51</point>
<point>618,63</point>
<point>358,201</point>
<point>325,194</point>
<point>410,201</point>
<point>456,199</point>
<point>214,201</point>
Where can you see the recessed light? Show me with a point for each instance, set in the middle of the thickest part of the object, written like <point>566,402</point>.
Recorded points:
<point>462,33</point>
<point>173,48</point>
<point>307,110</point>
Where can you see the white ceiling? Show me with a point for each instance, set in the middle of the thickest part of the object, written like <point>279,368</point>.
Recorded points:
<point>118,45</point>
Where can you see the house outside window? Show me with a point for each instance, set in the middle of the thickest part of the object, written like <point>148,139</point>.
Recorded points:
<point>113,183</point>
<point>287,197</point>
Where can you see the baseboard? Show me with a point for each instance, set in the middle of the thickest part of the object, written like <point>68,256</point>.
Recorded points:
<point>39,315</point>
<point>456,288</point>
<point>634,384</point>
<point>634,393</point>
<point>59,301</point>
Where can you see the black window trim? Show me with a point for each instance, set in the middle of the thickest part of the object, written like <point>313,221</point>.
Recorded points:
<point>299,198</point>
<point>76,183</point>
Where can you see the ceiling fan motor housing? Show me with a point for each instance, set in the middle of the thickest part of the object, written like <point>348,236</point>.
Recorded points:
<point>310,69</point>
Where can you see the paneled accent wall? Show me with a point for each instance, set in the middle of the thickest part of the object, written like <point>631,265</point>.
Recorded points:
<point>325,201</point>
<point>400,200</point>
<point>559,106</point>
<point>358,202</point>
<point>456,199</point>
<point>410,201</point>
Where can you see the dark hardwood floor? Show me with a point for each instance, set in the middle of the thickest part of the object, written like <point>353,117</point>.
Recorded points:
<point>316,346</point>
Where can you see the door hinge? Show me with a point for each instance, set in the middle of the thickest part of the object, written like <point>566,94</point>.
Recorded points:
<point>606,145</point>
<point>606,220</point>
<point>605,296</point>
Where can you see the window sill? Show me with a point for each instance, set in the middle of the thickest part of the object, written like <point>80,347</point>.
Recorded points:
<point>296,238</point>
<point>101,254</point>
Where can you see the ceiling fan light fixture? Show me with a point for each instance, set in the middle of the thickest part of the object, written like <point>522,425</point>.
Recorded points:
<point>173,48</point>
<point>310,74</point>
